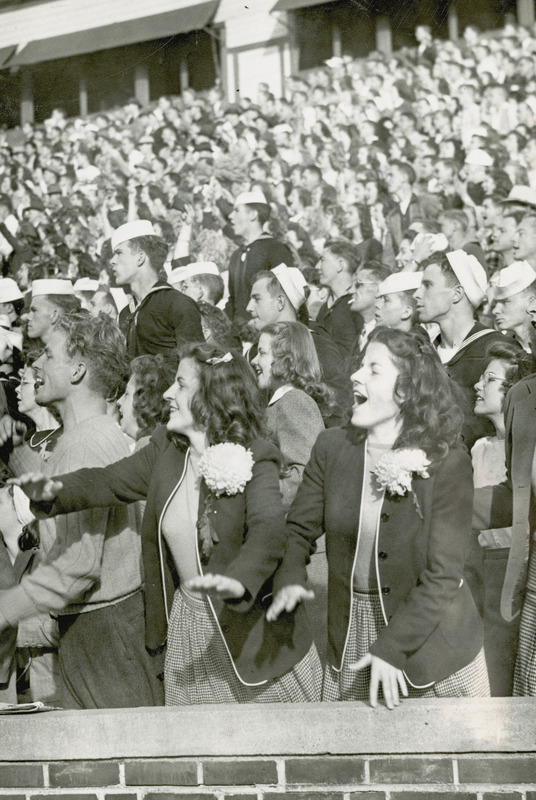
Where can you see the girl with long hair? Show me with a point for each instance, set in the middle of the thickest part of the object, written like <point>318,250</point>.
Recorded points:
<point>288,369</point>
<point>213,535</point>
<point>393,493</point>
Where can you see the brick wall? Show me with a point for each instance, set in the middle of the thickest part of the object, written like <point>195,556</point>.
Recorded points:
<point>446,750</point>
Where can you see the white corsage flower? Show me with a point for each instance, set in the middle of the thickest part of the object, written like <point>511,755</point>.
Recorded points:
<point>226,468</point>
<point>395,470</point>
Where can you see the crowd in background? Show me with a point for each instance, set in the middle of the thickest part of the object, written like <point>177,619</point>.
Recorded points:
<point>281,232</point>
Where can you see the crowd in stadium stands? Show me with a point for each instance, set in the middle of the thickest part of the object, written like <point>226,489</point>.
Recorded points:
<point>267,415</point>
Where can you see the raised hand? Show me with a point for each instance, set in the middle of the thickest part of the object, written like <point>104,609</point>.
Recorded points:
<point>38,487</point>
<point>218,586</point>
<point>287,599</point>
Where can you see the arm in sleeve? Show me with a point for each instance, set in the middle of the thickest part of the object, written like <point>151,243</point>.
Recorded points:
<point>266,536</point>
<point>124,481</point>
<point>70,569</point>
<point>298,424</point>
<point>305,520</point>
<point>420,612</point>
<point>184,317</point>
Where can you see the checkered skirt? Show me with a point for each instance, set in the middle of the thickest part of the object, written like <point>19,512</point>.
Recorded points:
<point>198,668</point>
<point>366,624</point>
<point>525,668</point>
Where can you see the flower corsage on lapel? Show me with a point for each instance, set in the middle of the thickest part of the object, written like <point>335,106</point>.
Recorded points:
<point>226,469</point>
<point>395,471</point>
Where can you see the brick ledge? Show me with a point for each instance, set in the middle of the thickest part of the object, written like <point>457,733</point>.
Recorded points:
<point>496,725</point>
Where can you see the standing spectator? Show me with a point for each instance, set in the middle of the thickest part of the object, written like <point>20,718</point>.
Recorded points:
<point>399,614</point>
<point>279,296</point>
<point>288,368</point>
<point>488,552</point>
<point>455,227</point>
<point>337,265</point>
<point>408,206</point>
<point>512,293</point>
<point>502,234</point>
<point>52,298</point>
<point>525,240</point>
<point>396,306</point>
<point>453,287</point>
<point>89,570</point>
<point>260,250</point>
<point>163,318</point>
<point>228,544</point>
<point>366,282</point>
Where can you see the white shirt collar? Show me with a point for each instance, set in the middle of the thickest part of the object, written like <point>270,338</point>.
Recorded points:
<point>278,394</point>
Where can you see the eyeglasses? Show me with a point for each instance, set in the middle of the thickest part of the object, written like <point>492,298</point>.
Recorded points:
<point>490,377</point>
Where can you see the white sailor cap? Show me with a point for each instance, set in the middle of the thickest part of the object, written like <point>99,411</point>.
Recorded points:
<point>131,230</point>
<point>513,279</point>
<point>400,282</point>
<point>292,282</point>
<point>44,286</point>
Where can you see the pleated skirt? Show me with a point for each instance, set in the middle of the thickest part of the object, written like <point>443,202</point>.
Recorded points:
<point>366,623</point>
<point>199,669</point>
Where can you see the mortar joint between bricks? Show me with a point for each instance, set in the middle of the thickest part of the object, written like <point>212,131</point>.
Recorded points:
<point>281,768</point>
<point>200,775</point>
<point>122,773</point>
<point>455,772</point>
<point>46,776</point>
<point>366,771</point>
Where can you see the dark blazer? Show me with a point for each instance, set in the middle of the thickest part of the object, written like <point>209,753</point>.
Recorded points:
<point>434,628</point>
<point>250,539</point>
<point>511,503</point>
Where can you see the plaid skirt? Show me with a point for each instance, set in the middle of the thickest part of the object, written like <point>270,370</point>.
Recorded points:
<point>525,668</point>
<point>366,624</point>
<point>198,668</point>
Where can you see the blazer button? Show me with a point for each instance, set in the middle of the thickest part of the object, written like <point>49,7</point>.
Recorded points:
<point>384,516</point>
<point>382,555</point>
<point>385,590</point>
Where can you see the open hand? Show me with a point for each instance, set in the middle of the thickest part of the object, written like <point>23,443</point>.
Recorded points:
<point>38,487</point>
<point>391,679</point>
<point>217,586</point>
<point>287,599</point>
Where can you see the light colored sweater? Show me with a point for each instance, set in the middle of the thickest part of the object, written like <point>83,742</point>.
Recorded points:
<point>88,559</point>
<point>294,422</point>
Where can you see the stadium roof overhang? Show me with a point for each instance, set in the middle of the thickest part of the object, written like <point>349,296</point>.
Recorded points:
<point>157,26</point>
<point>291,5</point>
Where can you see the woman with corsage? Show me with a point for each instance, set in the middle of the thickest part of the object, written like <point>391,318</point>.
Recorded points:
<point>213,535</point>
<point>393,493</point>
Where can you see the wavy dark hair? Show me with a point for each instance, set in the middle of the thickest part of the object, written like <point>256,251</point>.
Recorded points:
<point>228,402</point>
<point>295,361</point>
<point>152,374</point>
<point>431,403</point>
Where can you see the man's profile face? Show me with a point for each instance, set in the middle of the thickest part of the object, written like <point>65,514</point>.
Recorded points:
<point>53,370</point>
<point>40,317</point>
<point>262,306</point>
<point>125,263</point>
<point>434,295</point>
<point>502,235</point>
<point>525,239</point>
